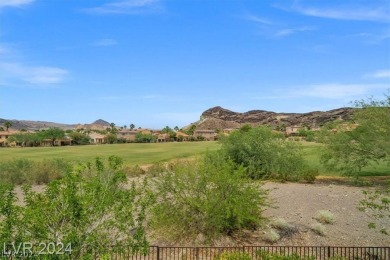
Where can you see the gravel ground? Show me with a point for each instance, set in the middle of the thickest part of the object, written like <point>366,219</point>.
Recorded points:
<point>299,203</point>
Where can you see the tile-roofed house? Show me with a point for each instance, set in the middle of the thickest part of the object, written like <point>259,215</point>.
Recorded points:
<point>208,135</point>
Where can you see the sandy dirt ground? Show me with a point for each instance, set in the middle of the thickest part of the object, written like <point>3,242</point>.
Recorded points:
<point>299,203</point>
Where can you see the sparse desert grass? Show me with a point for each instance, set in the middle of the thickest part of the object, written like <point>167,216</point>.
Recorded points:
<point>319,229</point>
<point>325,217</point>
<point>284,228</point>
<point>271,236</point>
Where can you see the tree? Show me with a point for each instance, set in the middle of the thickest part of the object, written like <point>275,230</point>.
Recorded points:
<point>377,205</point>
<point>176,128</point>
<point>1,128</point>
<point>7,125</point>
<point>166,130</point>
<point>145,138</point>
<point>53,134</point>
<point>366,143</point>
<point>132,126</point>
<point>111,138</point>
<point>79,138</point>
<point>113,129</point>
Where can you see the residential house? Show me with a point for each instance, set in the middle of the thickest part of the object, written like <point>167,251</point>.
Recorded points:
<point>97,138</point>
<point>292,130</point>
<point>4,135</point>
<point>129,135</point>
<point>182,136</point>
<point>162,137</point>
<point>208,135</point>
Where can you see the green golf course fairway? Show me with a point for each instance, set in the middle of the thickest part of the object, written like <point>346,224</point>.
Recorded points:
<point>133,153</point>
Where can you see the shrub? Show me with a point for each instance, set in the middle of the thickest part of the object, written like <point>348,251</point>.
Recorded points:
<point>319,229</point>
<point>133,171</point>
<point>88,208</point>
<point>285,229</point>
<point>265,255</point>
<point>23,171</point>
<point>207,196</point>
<point>309,174</point>
<point>325,217</point>
<point>264,153</point>
<point>233,256</point>
<point>271,236</point>
<point>156,169</point>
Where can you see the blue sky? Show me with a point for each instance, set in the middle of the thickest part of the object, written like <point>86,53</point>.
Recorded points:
<point>163,62</point>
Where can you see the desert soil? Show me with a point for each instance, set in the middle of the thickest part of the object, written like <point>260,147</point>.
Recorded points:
<point>298,204</point>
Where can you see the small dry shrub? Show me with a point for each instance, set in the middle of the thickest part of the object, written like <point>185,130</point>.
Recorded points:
<point>271,236</point>
<point>325,217</point>
<point>319,229</point>
<point>156,169</point>
<point>284,228</point>
<point>133,171</point>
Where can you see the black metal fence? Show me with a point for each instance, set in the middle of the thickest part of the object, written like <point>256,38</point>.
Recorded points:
<point>257,252</point>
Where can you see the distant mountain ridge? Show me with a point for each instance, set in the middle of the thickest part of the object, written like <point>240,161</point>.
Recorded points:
<point>38,125</point>
<point>221,118</point>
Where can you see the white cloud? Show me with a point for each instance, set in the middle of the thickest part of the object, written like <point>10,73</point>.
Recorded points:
<point>257,19</point>
<point>105,42</point>
<point>374,14</point>
<point>286,32</point>
<point>14,3</point>
<point>131,7</point>
<point>33,75</point>
<point>380,74</point>
<point>328,91</point>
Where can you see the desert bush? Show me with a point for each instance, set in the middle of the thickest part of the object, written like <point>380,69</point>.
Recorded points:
<point>377,204</point>
<point>325,217</point>
<point>319,229</point>
<point>156,169</point>
<point>284,228</point>
<point>264,153</point>
<point>88,208</point>
<point>23,171</point>
<point>265,255</point>
<point>233,256</point>
<point>309,174</point>
<point>133,171</point>
<point>271,236</point>
<point>208,196</point>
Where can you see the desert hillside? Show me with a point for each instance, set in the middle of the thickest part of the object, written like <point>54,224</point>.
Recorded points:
<point>220,118</point>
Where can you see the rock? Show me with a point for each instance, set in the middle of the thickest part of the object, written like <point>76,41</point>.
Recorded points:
<point>221,118</point>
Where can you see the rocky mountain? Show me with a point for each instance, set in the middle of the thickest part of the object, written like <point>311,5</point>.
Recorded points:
<point>221,118</point>
<point>101,122</point>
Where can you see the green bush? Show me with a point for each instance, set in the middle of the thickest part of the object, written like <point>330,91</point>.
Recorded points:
<point>88,208</point>
<point>264,154</point>
<point>265,255</point>
<point>208,196</point>
<point>233,256</point>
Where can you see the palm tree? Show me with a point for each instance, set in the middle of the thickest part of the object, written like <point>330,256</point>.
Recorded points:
<point>112,125</point>
<point>7,125</point>
<point>132,126</point>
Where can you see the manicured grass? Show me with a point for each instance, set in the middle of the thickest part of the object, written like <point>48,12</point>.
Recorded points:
<point>131,153</point>
<point>156,152</point>
<point>313,152</point>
